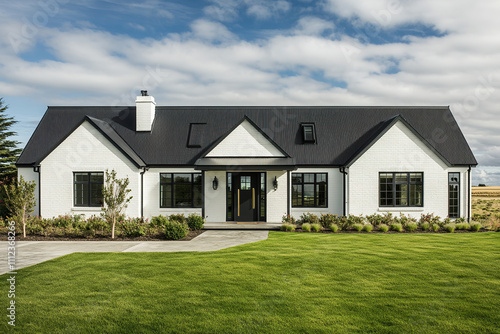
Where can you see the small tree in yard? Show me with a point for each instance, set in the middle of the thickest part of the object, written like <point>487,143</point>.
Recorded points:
<point>20,199</point>
<point>116,199</point>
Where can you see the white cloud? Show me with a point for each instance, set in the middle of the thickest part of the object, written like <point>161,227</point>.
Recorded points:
<point>211,31</point>
<point>310,25</point>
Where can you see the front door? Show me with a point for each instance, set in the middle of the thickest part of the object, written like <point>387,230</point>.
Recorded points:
<point>247,192</point>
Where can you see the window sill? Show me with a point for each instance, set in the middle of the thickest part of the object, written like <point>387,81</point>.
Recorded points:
<point>401,209</point>
<point>87,208</point>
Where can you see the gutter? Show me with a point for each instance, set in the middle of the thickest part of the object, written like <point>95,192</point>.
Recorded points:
<point>144,170</point>
<point>342,170</point>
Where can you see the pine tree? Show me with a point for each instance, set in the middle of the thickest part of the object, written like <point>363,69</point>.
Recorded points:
<point>8,148</point>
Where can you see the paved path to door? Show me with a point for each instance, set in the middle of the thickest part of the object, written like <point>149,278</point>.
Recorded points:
<point>29,253</point>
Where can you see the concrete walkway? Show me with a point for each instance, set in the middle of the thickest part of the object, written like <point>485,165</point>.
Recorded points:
<point>29,253</point>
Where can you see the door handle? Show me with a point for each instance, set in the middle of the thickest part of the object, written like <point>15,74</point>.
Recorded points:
<point>238,202</point>
<point>253,198</point>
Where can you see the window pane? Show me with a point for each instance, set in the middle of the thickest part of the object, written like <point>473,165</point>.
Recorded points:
<point>97,177</point>
<point>308,178</point>
<point>81,177</point>
<point>166,178</point>
<point>166,196</point>
<point>308,194</point>
<point>416,195</point>
<point>246,183</point>
<point>81,194</point>
<point>296,195</point>
<point>416,177</point>
<point>453,177</point>
<point>182,178</point>
<point>182,195</point>
<point>401,195</point>
<point>320,178</point>
<point>197,178</point>
<point>96,194</point>
<point>321,194</point>
<point>197,195</point>
<point>401,177</point>
<point>296,178</point>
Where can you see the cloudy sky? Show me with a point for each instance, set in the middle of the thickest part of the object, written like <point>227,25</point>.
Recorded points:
<point>258,52</point>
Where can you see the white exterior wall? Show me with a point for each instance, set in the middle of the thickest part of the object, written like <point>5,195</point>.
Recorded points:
<point>399,150</point>
<point>215,200</point>
<point>276,200</point>
<point>152,193</point>
<point>335,196</point>
<point>84,150</point>
<point>245,141</point>
<point>29,175</point>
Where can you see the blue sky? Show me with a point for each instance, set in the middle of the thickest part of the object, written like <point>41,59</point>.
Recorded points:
<point>252,52</point>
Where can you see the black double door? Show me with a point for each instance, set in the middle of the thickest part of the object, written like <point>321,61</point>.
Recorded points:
<point>246,196</point>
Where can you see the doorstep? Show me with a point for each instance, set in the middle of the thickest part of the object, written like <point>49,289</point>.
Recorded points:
<point>242,226</point>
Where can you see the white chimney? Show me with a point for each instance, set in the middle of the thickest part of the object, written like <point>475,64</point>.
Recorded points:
<point>145,111</point>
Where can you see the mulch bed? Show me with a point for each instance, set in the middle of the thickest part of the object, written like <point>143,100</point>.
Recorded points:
<point>159,237</point>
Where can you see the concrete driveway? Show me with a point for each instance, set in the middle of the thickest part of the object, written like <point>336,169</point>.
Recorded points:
<point>29,253</point>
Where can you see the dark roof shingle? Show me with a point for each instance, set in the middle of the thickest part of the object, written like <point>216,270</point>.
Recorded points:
<point>341,131</point>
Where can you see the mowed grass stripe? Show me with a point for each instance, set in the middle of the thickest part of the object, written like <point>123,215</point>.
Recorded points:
<point>292,282</point>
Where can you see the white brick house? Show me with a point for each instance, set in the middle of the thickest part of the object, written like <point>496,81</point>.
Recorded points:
<point>251,163</point>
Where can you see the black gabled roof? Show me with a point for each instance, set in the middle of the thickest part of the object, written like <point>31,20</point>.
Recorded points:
<point>342,132</point>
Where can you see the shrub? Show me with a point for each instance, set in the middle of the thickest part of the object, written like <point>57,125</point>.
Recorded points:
<point>288,227</point>
<point>64,221</point>
<point>435,227</point>
<point>316,227</point>
<point>460,220</point>
<point>475,227</point>
<point>159,221</point>
<point>180,218</point>
<point>334,228</point>
<point>357,227</point>
<point>343,223</point>
<point>450,228</point>
<point>462,226</point>
<point>327,219</point>
<point>309,218</point>
<point>383,228</point>
<point>368,227</point>
<point>175,230</point>
<point>132,228</point>
<point>396,227</point>
<point>306,227</point>
<point>425,226</point>
<point>375,219</point>
<point>411,227</point>
<point>195,222</point>
<point>287,219</point>
<point>96,224</point>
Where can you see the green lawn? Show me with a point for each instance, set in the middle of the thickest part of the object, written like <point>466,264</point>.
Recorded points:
<point>292,282</point>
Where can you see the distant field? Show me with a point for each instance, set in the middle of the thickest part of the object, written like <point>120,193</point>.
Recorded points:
<point>486,192</point>
<point>486,204</point>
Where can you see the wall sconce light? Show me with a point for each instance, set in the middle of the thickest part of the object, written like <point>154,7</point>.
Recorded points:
<point>215,183</point>
<point>275,183</point>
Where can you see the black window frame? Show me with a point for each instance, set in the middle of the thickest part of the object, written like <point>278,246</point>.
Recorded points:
<point>88,203</point>
<point>452,183</point>
<point>312,128</point>
<point>315,184</point>
<point>172,184</point>
<point>394,191</point>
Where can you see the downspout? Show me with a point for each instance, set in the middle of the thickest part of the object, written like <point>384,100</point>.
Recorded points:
<point>203,194</point>
<point>36,169</point>
<point>469,194</point>
<point>144,170</point>
<point>342,170</point>
<point>288,193</point>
